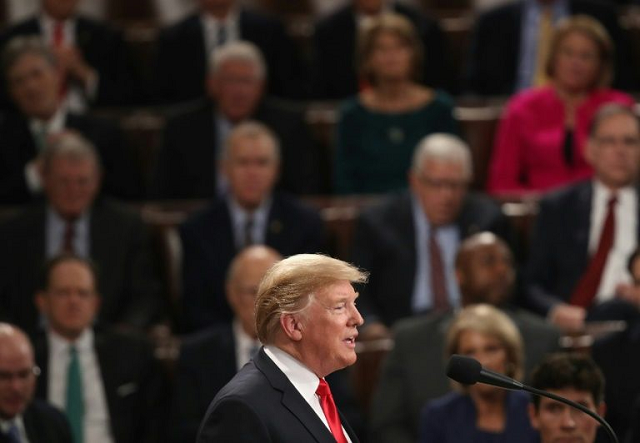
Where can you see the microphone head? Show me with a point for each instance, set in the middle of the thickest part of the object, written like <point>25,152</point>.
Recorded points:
<point>465,370</point>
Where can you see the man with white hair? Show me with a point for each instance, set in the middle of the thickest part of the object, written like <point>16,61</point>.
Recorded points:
<point>410,241</point>
<point>193,139</point>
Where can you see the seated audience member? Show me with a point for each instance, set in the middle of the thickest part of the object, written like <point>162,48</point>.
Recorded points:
<point>109,384</point>
<point>91,56</point>
<point>481,412</point>
<point>73,219</point>
<point>23,417</point>
<point>414,371</point>
<point>379,128</point>
<point>409,242</point>
<point>510,43</point>
<point>541,139</point>
<point>335,40</point>
<point>184,48</point>
<point>249,213</point>
<point>585,233</point>
<point>193,140</point>
<point>33,81</point>
<point>572,376</point>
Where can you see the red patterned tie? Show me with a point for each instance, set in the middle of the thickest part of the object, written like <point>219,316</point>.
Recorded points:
<point>438,282</point>
<point>586,289</point>
<point>68,237</point>
<point>330,411</point>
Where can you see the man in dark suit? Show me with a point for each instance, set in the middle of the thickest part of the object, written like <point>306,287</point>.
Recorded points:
<point>307,320</point>
<point>22,416</point>
<point>91,56</point>
<point>188,161</point>
<point>190,42</point>
<point>250,213</point>
<point>33,79</point>
<point>414,371</point>
<point>401,241</point>
<point>570,252</point>
<point>335,71</point>
<point>114,377</point>
<point>73,219</point>
<point>496,64</point>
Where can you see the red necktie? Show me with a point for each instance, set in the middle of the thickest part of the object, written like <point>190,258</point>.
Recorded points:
<point>438,282</point>
<point>58,41</point>
<point>330,411</point>
<point>67,239</point>
<point>585,290</point>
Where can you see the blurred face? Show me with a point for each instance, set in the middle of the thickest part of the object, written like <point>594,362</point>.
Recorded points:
<point>237,88</point>
<point>71,185</point>
<point>252,169</point>
<point>559,423</point>
<point>243,288</point>
<point>486,274</point>
<point>213,6</point>
<point>17,379</point>
<point>391,58</point>
<point>368,7</point>
<point>488,350</point>
<point>34,85</point>
<point>577,62</point>
<point>60,9</point>
<point>614,151</point>
<point>70,302</point>
<point>329,329</point>
<point>635,271</point>
<point>441,188</point>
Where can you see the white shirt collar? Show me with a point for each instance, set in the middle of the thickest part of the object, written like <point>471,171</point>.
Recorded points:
<point>302,378</point>
<point>55,124</point>
<point>58,344</point>
<point>602,193</point>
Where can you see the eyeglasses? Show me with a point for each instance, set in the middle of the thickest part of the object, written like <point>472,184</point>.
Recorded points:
<point>7,376</point>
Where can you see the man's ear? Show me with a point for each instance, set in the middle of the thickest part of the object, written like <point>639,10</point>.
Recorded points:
<point>292,326</point>
<point>533,416</point>
<point>601,409</point>
<point>40,300</point>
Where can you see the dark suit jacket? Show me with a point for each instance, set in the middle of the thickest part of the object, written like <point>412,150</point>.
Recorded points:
<point>335,53</point>
<point>128,282</point>
<point>208,248</point>
<point>132,382</point>
<point>385,245</point>
<point>44,424</point>
<point>102,48</point>
<point>558,255</point>
<point>18,148</point>
<point>495,47</point>
<point>268,407</point>
<point>186,164</point>
<point>414,371</point>
<point>182,45</point>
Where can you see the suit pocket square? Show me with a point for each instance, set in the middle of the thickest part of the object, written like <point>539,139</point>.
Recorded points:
<point>126,389</point>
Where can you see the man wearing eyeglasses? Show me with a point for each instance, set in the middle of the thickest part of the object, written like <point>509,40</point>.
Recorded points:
<point>21,418</point>
<point>408,244</point>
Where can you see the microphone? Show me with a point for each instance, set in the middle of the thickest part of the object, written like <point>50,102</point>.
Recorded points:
<point>469,371</point>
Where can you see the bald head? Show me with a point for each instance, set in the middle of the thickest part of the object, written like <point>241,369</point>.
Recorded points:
<point>244,276</point>
<point>484,270</point>
<point>17,371</point>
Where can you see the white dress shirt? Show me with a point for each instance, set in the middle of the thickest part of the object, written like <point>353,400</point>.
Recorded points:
<point>211,26</point>
<point>625,232</point>
<point>239,217</point>
<point>302,378</point>
<point>97,427</point>
<point>5,425</point>
<point>54,234</point>
<point>41,129</point>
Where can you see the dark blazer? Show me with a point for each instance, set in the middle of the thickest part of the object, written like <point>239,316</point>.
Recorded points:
<point>263,400</point>
<point>495,47</point>
<point>208,248</point>
<point>119,245</point>
<point>186,163</point>
<point>103,49</point>
<point>558,255</point>
<point>334,73</point>
<point>182,45</point>
<point>132,381</point>
<point>19,147</point>
<point>414,371</point>
<point>44,424</point>
<point>385,245</point>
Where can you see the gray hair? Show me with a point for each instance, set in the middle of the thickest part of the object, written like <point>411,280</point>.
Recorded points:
<point>252,130</point>
<point>442,147</point>
<point>241,51</point>
<point>608,110</point>
<point>70,144</point>
<point>19,46</point>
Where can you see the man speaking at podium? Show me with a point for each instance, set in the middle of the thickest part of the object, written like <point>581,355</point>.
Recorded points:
<point>307,320</point>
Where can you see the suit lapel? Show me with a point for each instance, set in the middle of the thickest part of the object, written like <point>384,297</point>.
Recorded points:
<point>108,359</point>
<point>275,235</point>
<point>582,211</point>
